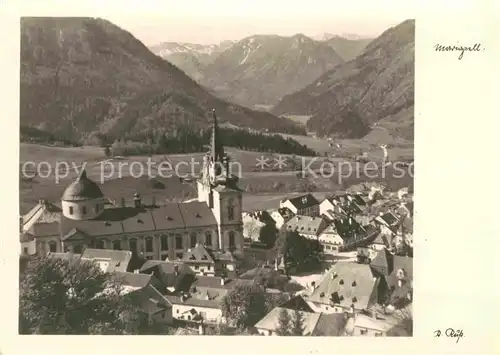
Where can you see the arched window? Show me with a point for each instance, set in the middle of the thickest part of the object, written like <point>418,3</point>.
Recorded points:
<point>133,245</point>
<point>230,210</point>
<point>84,209</point>
<point>192,239</point>
<point>164,242</point>
<point>232,239</point>
<point>117,245</point>
<point>149,245</point>
<point>70,209</point>
<point>208,238</point>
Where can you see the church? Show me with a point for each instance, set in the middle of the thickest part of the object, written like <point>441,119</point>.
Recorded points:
<point>85,218</point>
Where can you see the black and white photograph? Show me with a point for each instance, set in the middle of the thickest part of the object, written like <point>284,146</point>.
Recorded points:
<point>216,176</point>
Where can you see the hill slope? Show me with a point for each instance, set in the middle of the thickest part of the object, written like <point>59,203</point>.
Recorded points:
<point>81,76</point>
<point>261,69</point>
<point>348,49</point>
<point>377,86</point>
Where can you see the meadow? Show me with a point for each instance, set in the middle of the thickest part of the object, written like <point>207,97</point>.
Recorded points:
<point>261,189</point>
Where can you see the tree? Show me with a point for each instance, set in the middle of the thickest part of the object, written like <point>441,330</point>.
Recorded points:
<point>300,253</point>
<point>297,323</point>
<point>268,235</point>
<point>244,306</point>
<point>72,296</point>
<point>284,322</point>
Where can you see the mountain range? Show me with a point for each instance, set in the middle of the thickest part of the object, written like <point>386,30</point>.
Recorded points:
<point>370,94</point>
<point>86,76</point>
<point>259,70</point>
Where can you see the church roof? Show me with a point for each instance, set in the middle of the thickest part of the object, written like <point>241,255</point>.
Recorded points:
<point>82,189</point>
<point>124,220</point>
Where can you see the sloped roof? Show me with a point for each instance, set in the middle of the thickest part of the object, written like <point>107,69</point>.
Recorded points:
<point>118,259</point>
<point>306,224</point>
<point>118,220</point>
<point>135,280</point>
<point>297,302</point>
<point>197,214</point>
<point>383,260</point>
<point>352,283</point>
<point>366,322</point>
<point>330,325</point>
<point>166,274</point>
<point>198,254</point>
<point>151,300</point>
<point>271,320</point>
<point>45,213</point>
<point>304,201</point>
<point>214,282</point>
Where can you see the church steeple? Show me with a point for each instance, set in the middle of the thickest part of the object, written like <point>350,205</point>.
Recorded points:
<point>216,148</point>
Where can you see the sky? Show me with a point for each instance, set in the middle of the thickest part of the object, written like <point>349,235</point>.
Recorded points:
<point>212,21</point>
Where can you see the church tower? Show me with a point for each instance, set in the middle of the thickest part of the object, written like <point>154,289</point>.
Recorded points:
<point>217,187</point>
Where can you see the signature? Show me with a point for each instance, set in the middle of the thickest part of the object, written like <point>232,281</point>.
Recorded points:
<point>450,333</point>
<point>461,49</point>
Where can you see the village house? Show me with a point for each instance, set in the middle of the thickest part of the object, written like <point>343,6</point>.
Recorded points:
<point>153,304</point>
<point>109,260</point>
<point>305,205</point>
<point>206,262</point>
<point>85,220</point>
<point>345,287</point>
<point>315,324</point>
<point>331,240</point>
<point>280,216</point>
<point>202,301</point>
<point>308,227</point>
<point>169,277</point>
<point>364,325</point>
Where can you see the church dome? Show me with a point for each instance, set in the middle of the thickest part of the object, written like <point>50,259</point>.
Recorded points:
<point>82,189</point>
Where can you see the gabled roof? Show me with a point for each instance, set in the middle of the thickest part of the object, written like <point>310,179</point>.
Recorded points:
<point>214,282</point>
<point>304,201</point>
<point>151,300</point>
<point>198,254</point>
<point>169,274</point>
<point>133,279</point>
<point>118,259</point>
<point>297,302</point>
<point>43,213</point>
<point>306,225</point>
<point>347,284</point>
<point>271,320</point>
<point>74,234</point>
